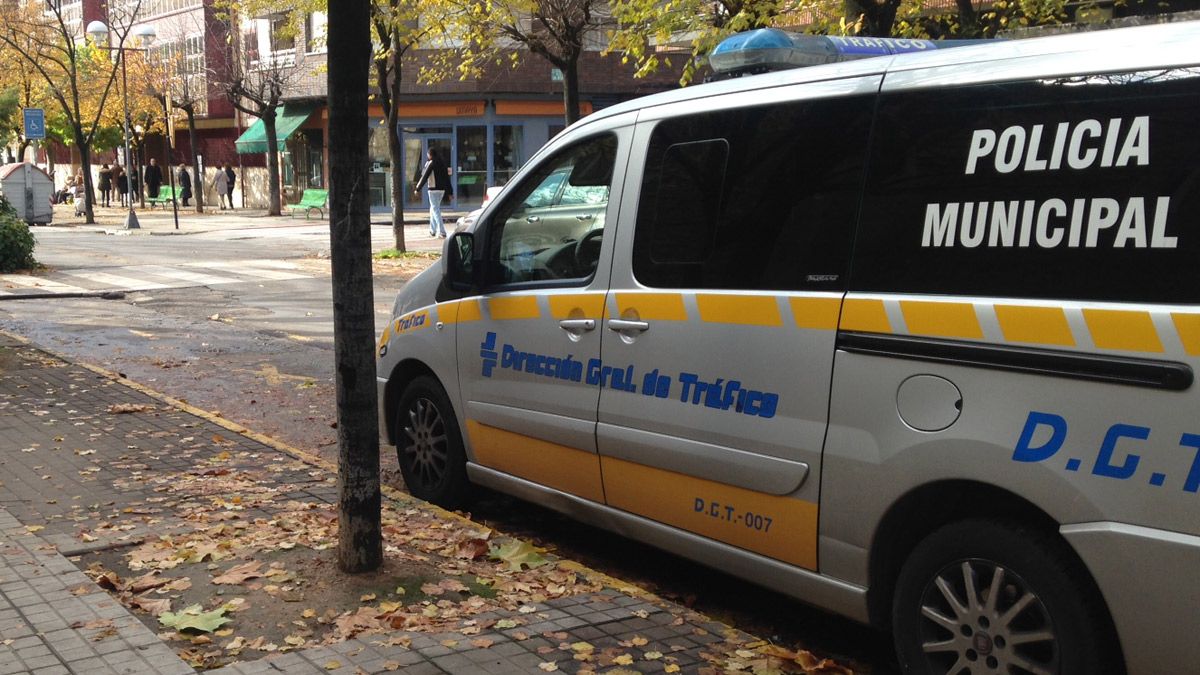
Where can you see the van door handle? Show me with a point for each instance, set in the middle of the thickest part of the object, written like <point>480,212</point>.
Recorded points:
<point>533,219</point>
<point>626,325</point>
<point>577,324</point>
<point>587,217</point>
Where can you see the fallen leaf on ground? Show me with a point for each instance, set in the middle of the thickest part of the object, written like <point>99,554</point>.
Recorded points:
<point>195,618</point>
<point>518,553</point>
<point>126,408</point>
<point>146,582</point>
<point>472,549</point>
<point>152,607</point>
<point>239,573</point>
<point>97,623</point>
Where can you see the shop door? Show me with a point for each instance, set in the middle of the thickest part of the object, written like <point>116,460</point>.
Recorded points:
<point>416,149</point>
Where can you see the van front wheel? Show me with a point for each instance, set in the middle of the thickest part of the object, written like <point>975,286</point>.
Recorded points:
<point>429,446</point>
<point>991,596</point>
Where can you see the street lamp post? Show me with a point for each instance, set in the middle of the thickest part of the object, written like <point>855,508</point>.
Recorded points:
<point>144,35</point>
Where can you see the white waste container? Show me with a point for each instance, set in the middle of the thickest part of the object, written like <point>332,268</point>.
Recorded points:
<point>29,190</point>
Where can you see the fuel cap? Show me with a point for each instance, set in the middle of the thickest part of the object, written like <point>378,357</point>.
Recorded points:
<point>928,402</point>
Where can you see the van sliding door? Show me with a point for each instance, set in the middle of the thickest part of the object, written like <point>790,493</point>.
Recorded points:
<point>723,310</point>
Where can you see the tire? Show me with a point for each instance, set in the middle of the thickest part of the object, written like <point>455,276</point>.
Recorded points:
<point>1045,617</point>
<point>429,445</point>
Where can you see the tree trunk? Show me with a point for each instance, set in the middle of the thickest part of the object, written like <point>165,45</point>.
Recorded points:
<point>396,152</point>
<point>198,181</point>
<point>387,79</point>
<point>878,17</point>
<point>360,539</point>
<point>571,90</point>
<point>85,165</point>
<point>968,19</point>
<point>273,206</point>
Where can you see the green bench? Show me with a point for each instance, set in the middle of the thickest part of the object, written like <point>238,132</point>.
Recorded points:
<point>166,195</point>
<point>312,199</point>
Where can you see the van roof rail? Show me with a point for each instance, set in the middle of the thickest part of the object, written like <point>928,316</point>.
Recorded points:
<point>765,49</point>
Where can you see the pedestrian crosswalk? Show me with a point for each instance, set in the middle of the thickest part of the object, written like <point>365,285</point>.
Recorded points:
<point>150,277</point>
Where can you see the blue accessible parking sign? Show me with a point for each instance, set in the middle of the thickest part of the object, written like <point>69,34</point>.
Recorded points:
<point>35,123</point>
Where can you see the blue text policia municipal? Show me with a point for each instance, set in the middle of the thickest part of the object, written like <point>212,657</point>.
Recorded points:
<point>719,393</point>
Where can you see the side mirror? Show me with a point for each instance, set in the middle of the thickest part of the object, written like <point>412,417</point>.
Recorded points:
<point>459,271</point>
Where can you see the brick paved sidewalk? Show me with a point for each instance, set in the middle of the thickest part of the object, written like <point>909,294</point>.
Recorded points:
<point>92,469</point>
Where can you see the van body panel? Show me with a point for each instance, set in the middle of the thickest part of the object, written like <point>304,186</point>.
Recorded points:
<point>1079,450</point>
<point>558,466</point>
<point>518,356</point>
<point>420,333</point>
<point>784,528</point>
<point>817,589</point>
<point>704,460</point>
<point>709,369</point>
<point>1149,47</point>
<point>1162,596</point>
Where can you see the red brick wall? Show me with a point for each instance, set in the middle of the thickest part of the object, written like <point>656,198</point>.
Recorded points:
<point>598,75</point>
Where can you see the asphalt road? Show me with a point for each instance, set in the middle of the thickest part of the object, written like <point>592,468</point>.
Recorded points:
<point>239,321</point>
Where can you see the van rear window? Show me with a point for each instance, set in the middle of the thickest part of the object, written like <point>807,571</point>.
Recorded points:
<point>1084,188</point>
<point>757,198</point>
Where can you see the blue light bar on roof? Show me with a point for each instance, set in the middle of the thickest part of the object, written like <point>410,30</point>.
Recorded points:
<point>765,49</point>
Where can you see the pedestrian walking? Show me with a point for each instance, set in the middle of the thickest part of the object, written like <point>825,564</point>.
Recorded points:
<point>154,178</point>
<point>135,186</point>
<point>232,181</point>
<point>185,184</point>
<point>122,182</point>
<point>437,175</point>
<point>220,184</point>
<point>106,175</point>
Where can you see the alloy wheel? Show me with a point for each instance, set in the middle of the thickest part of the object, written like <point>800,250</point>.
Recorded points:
<point>978,617</point>
<point>426,451</point>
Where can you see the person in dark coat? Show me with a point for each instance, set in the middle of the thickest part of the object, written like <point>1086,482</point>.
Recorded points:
<point>232,180</point>
<point>122,182</point>
<point>437,175</point>
<point>185,184</point>
<point>106,175</point>
<point>154,178</point>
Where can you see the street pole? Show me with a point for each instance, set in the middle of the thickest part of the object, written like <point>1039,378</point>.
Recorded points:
<point>170,151</point>
<point>131,219</point>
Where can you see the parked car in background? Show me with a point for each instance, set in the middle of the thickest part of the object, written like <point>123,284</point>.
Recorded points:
<point>468,220</point>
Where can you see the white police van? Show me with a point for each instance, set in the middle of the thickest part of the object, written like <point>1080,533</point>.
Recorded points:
<point>910,338</point>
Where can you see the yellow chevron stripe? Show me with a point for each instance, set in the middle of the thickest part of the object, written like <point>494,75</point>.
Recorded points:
<point>1125,330</point>
<point>750,310</point>
<point>1038,325</point>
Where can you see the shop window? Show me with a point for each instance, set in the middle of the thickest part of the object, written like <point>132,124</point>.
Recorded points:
<point>471,172</point>
<point>507,156</point>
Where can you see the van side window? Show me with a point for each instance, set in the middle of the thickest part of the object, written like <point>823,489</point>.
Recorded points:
<point>1080,188</point>
<point>551,224</point>
<point>754,198</point>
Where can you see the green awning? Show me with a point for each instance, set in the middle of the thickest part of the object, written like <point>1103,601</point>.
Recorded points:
<point>287,120</point>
